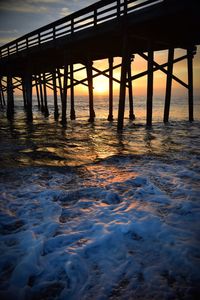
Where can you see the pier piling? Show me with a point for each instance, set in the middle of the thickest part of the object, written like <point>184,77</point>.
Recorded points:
<point>41,93</point>
<point>2,94</point>
<point>110,115</point>
<point>10,97</point>
<point>122,93</point>
<point>37,92</point>
<point>168,84</point>
<point>190,83</point>
<point>24,93</point>
<point>72,110</point>
<point>28,92</point>
<point>90,90</point>
<point>64,96</point>
<point>46,111</point>
<point>130,90</point>
<point>149,88</point>
<point>55,96</point>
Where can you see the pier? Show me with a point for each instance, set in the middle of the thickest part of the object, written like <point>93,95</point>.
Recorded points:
<point>50,56</point>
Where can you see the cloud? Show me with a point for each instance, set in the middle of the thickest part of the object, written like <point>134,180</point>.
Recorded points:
<point>14,31</point>
<point>65,11</point>
<point>24,6</point>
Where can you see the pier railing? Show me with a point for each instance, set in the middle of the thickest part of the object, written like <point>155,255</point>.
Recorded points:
<point>91,16</point>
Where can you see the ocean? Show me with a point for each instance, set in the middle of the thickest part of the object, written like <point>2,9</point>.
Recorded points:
<point>90,213</point>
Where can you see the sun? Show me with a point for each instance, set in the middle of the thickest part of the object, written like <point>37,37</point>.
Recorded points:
<point>100,85</point>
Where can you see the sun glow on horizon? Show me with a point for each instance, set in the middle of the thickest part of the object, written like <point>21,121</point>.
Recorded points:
<point>100,85</point>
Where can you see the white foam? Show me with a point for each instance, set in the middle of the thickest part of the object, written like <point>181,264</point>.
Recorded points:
<point>132,235</point>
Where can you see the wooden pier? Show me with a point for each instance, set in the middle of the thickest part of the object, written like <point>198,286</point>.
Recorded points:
<point>48,57</point>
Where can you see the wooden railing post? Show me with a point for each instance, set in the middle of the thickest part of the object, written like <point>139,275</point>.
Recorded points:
<point>39,38</point>
<point>72,26</point>
<point>95,17</point>
<point>27,43</point>
<point>118,8</point>
<point>125,7</point>
<point>54,33</point>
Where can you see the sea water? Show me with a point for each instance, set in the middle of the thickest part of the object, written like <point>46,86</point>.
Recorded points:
<point>89,213</point>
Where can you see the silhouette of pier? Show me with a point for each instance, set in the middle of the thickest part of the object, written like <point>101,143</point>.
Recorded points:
<point>48,57</point>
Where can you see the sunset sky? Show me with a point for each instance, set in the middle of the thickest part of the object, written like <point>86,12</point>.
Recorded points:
<point>18,17</point>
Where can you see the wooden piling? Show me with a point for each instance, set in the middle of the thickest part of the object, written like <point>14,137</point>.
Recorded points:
<point>90,90</point>
<point>28,91</point>
<point>37,92</point>
<point>41,93</point>
<point>72,110</point>
<point>46,111</point>
<point>56,112</point>
<point>122,93</point>
<point>64,97</point>
<point>110,115</point>
<point>190,83</point>
<point>24,93</point>
<point>59,84</point>
<point>168,85</point>
<point>2,94</point>
<point>149,88</point>
<point>1,99</point>
<point>10,98</point>
<point>130,90</point>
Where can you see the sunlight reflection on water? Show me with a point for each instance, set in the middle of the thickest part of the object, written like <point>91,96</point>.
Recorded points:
<point>46,142</point>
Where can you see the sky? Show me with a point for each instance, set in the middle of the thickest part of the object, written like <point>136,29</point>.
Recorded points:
<point>18,17</point>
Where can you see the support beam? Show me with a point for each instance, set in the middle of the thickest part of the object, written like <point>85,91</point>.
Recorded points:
<point>10,98</point>
<point>28,90</point>
<point>168,85</point>
<point>162,68</point>
<point>122,93</point>
<point>110,115</point>
<point>149,88</point>
<point>190,83</point>
<point>72,110</point>
<point>56,112</point>
<point>90,89</point>
<point>130,90</point>
<point>46,111</point>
